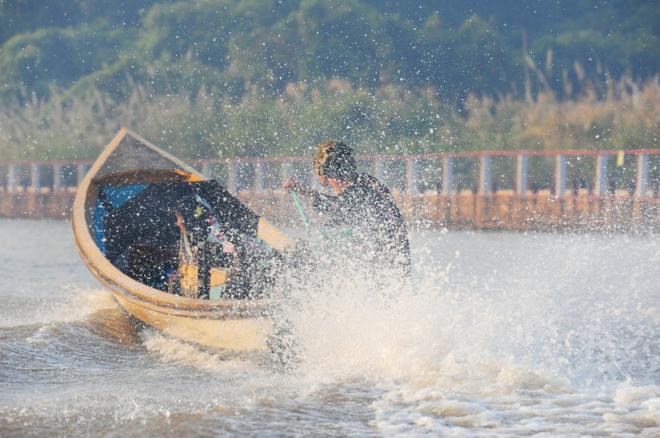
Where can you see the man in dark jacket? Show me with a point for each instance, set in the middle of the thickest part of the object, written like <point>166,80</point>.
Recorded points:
<point>362,205</point>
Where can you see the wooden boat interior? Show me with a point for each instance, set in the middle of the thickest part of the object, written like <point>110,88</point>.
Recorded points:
<point>133,198</point>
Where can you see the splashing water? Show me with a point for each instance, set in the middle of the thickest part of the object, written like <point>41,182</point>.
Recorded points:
<point>539,305</point>
<point>541,323</point>
<point>499,334</point>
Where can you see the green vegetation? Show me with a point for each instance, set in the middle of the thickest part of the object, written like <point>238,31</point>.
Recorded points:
<point>257,77</point>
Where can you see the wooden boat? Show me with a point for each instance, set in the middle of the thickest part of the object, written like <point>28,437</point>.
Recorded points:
<point>130,163</point>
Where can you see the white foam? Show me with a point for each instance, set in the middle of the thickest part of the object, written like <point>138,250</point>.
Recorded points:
<point>172,350</point>
<point>630,395</point>
<point>638,405</point>
<point>524,351</point>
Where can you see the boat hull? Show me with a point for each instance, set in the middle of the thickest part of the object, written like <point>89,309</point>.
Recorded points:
<point>240,335</point>
<point>225,328</point>
<point>236,325</point>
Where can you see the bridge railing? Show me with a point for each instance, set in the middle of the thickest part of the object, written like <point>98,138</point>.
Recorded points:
<point>601,173</point>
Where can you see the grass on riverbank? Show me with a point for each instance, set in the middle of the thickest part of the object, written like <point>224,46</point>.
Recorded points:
<point>391,119</point>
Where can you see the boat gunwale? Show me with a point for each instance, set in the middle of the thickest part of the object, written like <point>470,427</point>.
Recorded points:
<point>119,282</point>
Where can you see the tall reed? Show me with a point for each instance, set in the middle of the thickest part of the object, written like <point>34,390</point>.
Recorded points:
<point>390,119</point>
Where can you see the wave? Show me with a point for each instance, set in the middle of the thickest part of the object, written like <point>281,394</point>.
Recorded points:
<point>75,305</point>
<point>175,351</point>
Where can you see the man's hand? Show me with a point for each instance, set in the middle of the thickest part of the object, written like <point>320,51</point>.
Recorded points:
<point>293,185</point>
<point>179,222</point>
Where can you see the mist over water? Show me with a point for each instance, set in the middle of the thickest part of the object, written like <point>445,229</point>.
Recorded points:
<point>499,334</point>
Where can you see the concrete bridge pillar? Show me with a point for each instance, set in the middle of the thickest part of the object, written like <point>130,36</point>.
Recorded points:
<point>81,171</point>
<point>560,176</point>
<point>232,176</point>
<point>522,166</point>
<point>285,172</point>
<point>35,177</point>
<point>642,180</point>
<point>485,175</point>
<point>411,176</point>
<point>378,168</point>
<point>206,168</point>
<point>57,177</point>
<point>311,176</point>
<point>600,183</point>
<point>12,177</point>
<point>447,174</point>
<point>259,176</point>
<point>314,179</point>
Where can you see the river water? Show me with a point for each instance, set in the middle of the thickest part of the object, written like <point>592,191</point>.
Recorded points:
<point>504,334</point>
